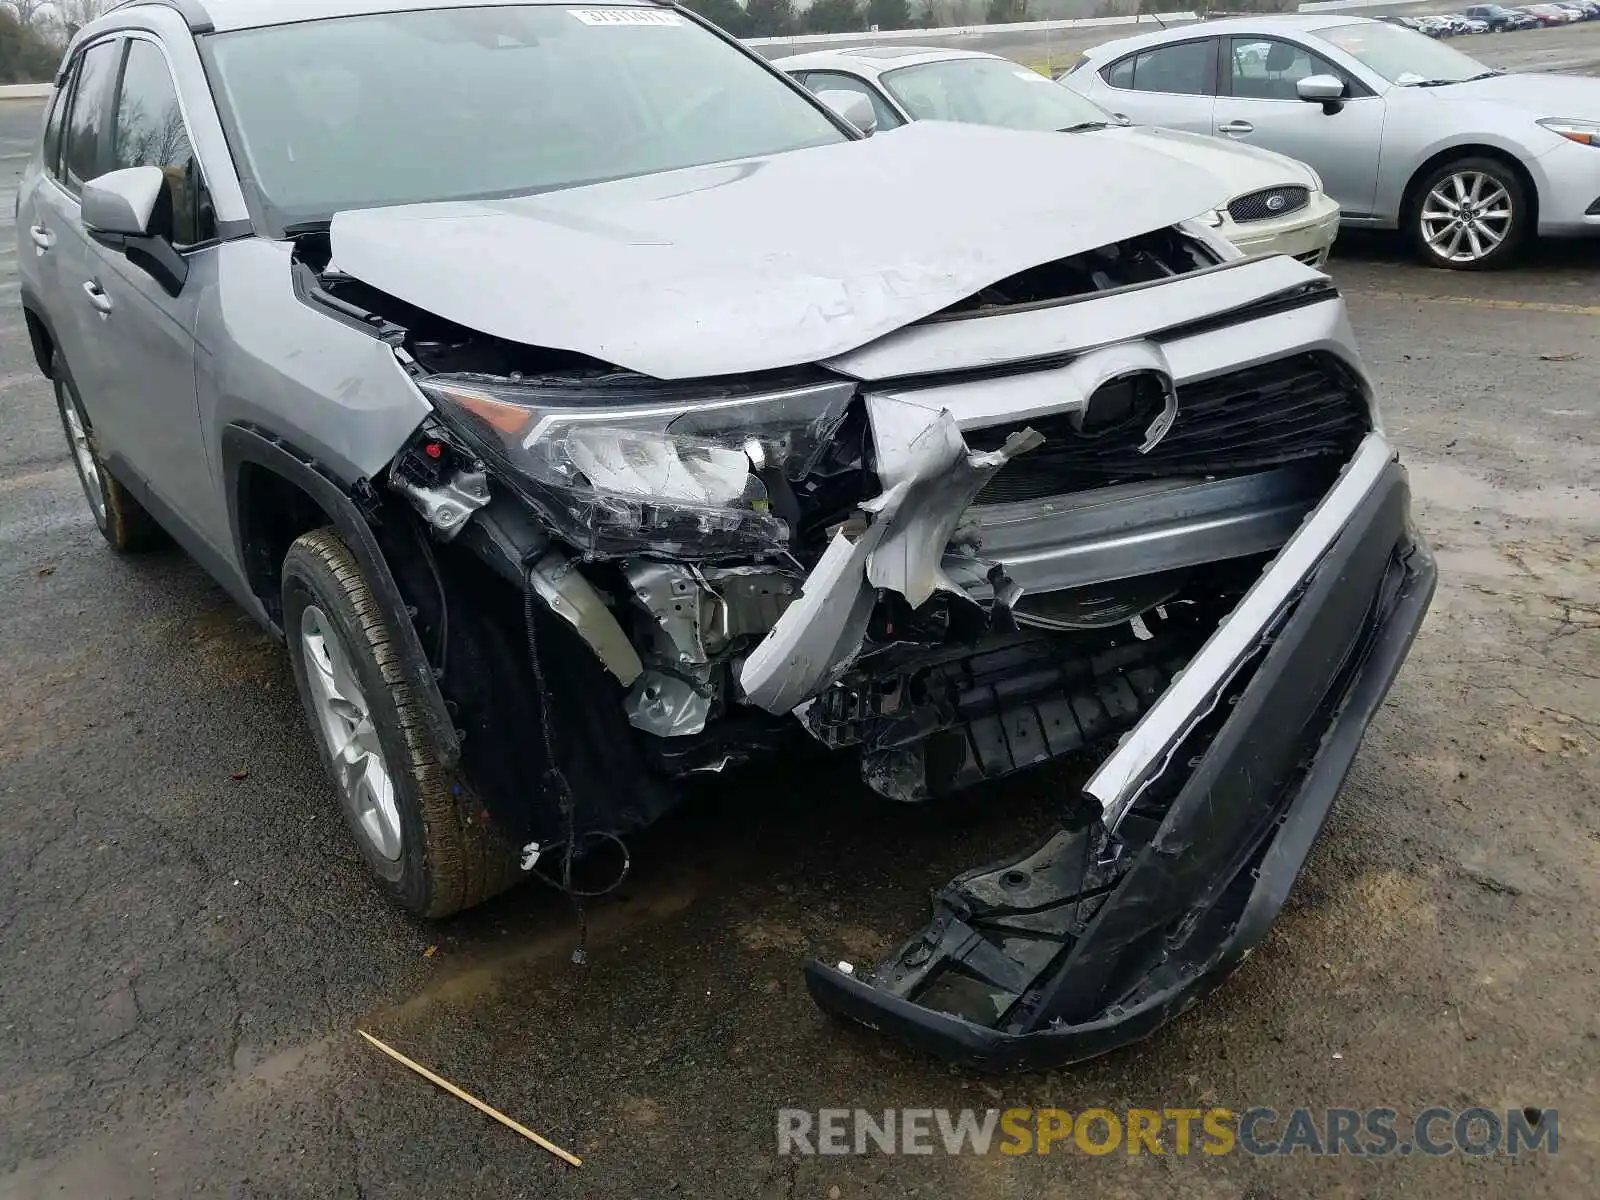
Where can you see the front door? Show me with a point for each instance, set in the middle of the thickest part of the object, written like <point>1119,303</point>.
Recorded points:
<point>145,353</point>
<point>1259,105</point>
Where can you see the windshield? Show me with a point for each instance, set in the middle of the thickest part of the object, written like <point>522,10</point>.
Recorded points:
<point>1403,56</point>
<point>988,91</point>
<point>468,103</point>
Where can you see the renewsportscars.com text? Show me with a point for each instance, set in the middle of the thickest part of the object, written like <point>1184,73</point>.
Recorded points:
<point>1256,1131</point>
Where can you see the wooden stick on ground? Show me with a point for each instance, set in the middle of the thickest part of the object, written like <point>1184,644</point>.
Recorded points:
<point>474,1101</point>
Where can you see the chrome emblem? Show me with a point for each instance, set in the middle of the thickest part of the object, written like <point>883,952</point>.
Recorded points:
<point>1276,203</point>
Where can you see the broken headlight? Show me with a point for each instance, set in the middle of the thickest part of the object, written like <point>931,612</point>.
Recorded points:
<point>619,471</point>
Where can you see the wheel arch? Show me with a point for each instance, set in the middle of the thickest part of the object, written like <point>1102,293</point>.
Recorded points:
<point>41,336</point>
<point>1413,189</point>
<point>275,493</point>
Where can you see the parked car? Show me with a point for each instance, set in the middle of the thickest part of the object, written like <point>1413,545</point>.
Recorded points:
<point>1405,133</point>
<point>1552,14</point>
<point>1436,27</point>
<point>589,407</point>
<point>1276,205</point>
<point>1472,25</point>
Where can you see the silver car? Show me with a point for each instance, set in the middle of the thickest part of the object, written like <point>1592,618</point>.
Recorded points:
<point>589,409</point>
<point>1406,132</point>
<point>1276,205</point>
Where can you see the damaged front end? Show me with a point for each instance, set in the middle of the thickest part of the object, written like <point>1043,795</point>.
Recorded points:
<point>1133,505</point>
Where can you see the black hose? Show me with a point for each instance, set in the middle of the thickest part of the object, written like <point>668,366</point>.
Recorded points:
<point>556,781</point>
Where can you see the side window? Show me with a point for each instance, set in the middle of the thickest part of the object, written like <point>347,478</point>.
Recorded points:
<point>1184,69</point>
<point>834,81</point>
<point>82,151</point>
<point>1268,69</point>
<point>55,121</point>
<point>1120,73</point>
<point>148,131</point>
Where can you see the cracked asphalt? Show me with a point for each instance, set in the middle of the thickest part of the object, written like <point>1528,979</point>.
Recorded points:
<point>187,944</point>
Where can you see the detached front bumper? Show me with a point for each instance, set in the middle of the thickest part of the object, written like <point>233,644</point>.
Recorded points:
<point>1197,826</point>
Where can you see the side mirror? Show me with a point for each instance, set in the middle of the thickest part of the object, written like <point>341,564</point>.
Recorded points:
<point>122,203</point>
<point>1326,90</point>
<point>119,209</point>
<point>853,107</point>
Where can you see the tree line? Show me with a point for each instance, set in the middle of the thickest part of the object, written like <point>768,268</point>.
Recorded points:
<point>33,33</point>
<point>782,18</point>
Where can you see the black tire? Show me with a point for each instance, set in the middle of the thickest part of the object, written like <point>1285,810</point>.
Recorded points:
<point>121,520</point>
<point>450,856</point>
<point>1419,227</point>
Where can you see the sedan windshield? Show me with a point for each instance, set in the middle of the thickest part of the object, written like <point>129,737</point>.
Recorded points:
<point>988,91</point>
<point>1403,56</point>
<point>470,103</point>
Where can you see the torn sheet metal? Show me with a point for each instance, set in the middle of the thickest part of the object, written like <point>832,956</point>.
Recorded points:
<point>922,451</point>
<point>449,505</point>
<point>929,478</point>
<point>820,635</point>
<point>572,598</point>
<point>672,595</point>
<point>668,705</point>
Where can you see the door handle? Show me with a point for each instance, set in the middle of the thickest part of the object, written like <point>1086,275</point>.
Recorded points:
<point>1235,128</point>
<point>43,239</point>
<point>97,297</point>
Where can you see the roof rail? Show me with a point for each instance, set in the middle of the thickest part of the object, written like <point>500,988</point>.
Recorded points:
<point>192,11</point>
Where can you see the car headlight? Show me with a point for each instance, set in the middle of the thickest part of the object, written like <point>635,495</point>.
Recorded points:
<point>619,470</point>
<point>1586,133</point>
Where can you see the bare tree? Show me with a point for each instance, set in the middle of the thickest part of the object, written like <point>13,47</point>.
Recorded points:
<point>73,15</point>
<point>26,10</point>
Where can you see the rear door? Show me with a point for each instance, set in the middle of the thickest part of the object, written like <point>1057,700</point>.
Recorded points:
<point>1173,84</point>
<point>1259,105</point>
<point>36,239</point>
<point>66,262</point>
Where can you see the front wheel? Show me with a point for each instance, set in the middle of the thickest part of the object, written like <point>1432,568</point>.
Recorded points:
<point>1470,215</point>
<point>424,837</point>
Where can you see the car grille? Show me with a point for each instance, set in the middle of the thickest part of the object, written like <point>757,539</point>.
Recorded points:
<point>1268,203</point>
<point>1313,258</point>
<point>1301,407</point>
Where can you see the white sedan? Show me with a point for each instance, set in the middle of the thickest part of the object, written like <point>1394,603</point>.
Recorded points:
<point>1278,207</point>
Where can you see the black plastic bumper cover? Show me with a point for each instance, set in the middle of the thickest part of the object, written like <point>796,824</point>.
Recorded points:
<point>1243,818</point>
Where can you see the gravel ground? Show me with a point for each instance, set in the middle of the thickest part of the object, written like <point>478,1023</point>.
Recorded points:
<point>186,954</point>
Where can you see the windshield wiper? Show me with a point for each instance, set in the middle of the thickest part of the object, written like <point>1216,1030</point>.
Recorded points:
<point>1084,126</point>
<point>300,228</point>
<point>1448,82</point>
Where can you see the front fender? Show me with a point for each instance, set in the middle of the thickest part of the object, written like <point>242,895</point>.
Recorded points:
<point>243,444</point>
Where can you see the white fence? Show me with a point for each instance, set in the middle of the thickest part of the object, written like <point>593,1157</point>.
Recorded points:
<point>25,91</point>
<point>891,35</point>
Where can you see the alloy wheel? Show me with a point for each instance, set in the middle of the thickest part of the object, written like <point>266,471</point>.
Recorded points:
<point>1467,216</point>
<point>344,719</point>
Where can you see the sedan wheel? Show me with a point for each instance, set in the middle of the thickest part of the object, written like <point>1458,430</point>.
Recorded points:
<point>1471,215</point>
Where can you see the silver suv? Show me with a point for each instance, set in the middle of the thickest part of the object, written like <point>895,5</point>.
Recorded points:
<point>588,407</point>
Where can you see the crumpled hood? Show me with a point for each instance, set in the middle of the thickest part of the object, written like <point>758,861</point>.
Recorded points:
<point>1244,168</point>
<point>769,262</point>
